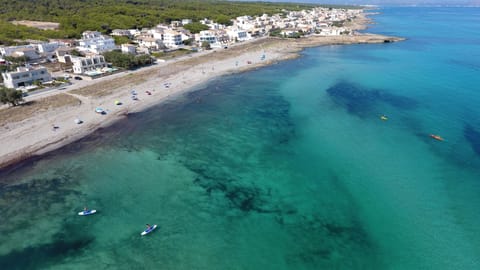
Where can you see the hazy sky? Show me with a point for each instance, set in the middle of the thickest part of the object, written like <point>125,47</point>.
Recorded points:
<point>388,2</point>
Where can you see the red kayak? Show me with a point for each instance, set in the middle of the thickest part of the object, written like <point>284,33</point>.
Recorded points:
<point>436,137</point>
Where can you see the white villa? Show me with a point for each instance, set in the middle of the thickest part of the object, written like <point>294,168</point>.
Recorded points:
<point>30,53</point>
<point>93,41</point>
<point>186,21</point>
<point>25,76</point>
<point>148,41</point>
<point>236,34</point>
<point>129,48</point>
<point>172,39</point>
<point>8,51</point>
<point>207,36</point>
<point>90,63</point>
<point>121,32</point>
<point>48,47</point>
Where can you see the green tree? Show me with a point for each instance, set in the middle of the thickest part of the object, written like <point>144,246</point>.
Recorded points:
<point>206,45</point>
<point>338,23</point>
<point>128,61</point>
<point>188,42</point>
<point>143,59</point>
<point>223,19</point>
<point>195,27</point>
<point>10,96</point>
<point>119,59</point>
<point>119,40</point>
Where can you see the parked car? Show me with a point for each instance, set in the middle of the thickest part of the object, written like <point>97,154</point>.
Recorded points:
<point>77,78</point>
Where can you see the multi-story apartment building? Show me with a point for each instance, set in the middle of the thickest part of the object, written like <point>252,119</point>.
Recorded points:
<point>95,42</point>
<point>25,76</point>
<point>90,63</point>
<point>172,39</point>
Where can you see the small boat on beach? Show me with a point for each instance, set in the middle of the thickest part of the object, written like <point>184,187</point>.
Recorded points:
<point>437,137</point>
<point>99,110</point>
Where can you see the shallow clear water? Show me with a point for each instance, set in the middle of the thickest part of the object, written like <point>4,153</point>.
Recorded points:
<point>286,167</point>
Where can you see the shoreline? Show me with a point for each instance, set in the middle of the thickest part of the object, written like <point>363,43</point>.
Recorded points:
<point>33,136</point>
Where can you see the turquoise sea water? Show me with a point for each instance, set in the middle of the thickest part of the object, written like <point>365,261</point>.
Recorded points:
<point>286,167</point>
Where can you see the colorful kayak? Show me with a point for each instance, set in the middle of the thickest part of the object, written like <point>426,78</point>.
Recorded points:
<point>88,212</point>
<point>149,230</point>
<point>436,137</point>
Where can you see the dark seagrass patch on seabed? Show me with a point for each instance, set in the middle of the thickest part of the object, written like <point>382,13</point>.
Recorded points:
<point>32,192</point>
<point>67,242</point>
<point>27,197</point>
<point>473,137</point>
<point>329,243</point>
<point>361,101</point>
<point>246,198</point>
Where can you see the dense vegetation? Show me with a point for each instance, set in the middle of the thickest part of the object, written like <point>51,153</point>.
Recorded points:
<point>10,96</point>
<point>195,27</point>
<point>127,61</point>
<point>76,16</point>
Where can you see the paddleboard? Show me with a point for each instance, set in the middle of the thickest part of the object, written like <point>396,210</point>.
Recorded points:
<point>149,230</point>
<point>88,212</point>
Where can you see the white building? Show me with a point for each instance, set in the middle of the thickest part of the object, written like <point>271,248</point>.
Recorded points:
<point>238,34</point>
<point>121,32</point>
<point>25,76</point>
<point>30,53</point>
<point>95,42</point>
<point>172,39</point>
<point>186,21</point>
<point>150,42</point>
<point>129,48</point>
<point>47,47</point>
<point>91,63</point>
<point>134,32</point>
<point>63,54</point>
<point>175,24</point>
<point>207,36</point>
<point>8,51</point>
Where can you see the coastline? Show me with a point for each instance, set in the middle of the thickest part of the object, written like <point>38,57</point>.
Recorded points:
<point>34,135</point>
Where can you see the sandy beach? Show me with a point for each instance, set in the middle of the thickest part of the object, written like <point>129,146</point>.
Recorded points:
<point>47,121</point>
